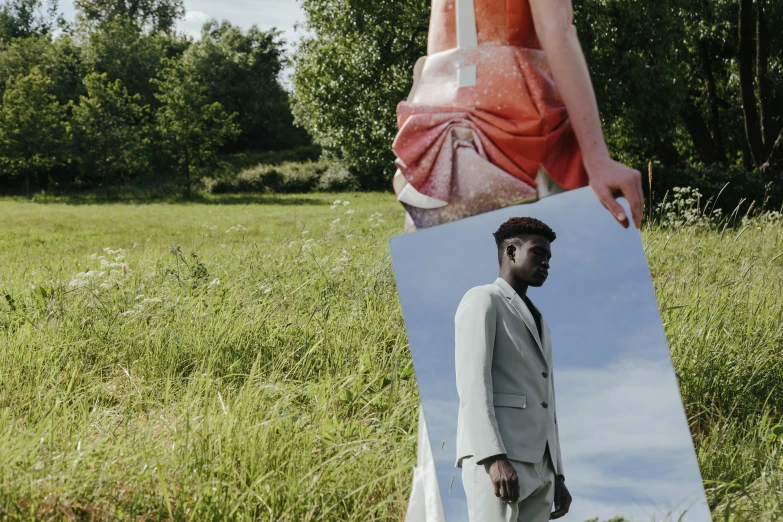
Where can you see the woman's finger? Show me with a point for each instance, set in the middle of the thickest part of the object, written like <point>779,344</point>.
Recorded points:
<point>606,197</point>
<point>631,193</point>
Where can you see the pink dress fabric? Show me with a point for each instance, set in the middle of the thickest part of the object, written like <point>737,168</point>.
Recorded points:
<point>484,122</point>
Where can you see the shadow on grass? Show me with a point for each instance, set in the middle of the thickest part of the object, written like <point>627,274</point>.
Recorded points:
<point>140,197</point>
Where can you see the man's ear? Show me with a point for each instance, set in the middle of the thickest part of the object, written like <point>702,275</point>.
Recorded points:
<point>511,251</point>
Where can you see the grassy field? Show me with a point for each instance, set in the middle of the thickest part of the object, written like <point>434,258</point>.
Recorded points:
<point>246,359</point>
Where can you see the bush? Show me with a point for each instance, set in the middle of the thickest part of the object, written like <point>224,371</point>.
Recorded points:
<point>253,158</point>
<point>288,177</point>
<point>337,178</point>
<point>742,185</point>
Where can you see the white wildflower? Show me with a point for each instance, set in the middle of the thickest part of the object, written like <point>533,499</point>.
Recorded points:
<point>350,212</point>
<point>236,228</point>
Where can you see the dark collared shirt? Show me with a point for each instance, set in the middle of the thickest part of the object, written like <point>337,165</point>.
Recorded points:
<point>534,311</point>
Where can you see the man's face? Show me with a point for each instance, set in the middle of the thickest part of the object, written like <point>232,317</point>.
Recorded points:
<point>530,262</point>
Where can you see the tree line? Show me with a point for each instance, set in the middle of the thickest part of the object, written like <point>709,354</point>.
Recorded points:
<point>118,94</point>
<point>693,87</point>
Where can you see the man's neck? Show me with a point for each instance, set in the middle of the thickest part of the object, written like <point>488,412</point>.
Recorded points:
<point>518,286</point>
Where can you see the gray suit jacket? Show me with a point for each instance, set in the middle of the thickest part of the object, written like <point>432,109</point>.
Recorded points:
<point>504,379</point>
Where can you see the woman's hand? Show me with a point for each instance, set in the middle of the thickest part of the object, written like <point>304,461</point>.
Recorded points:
<point>553,20</point>
<point>611,179</point>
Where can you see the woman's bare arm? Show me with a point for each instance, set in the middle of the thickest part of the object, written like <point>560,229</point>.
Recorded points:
<point>609,179</point>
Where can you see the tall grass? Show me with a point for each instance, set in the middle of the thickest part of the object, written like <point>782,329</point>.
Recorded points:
<point>719,282</point>
<point>196,363</point>
<point>248,360</point>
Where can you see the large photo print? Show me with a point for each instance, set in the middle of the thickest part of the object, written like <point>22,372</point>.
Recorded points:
<point>543,368</point>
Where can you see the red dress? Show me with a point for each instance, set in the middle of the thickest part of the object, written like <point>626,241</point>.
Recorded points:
<point>484,126</point>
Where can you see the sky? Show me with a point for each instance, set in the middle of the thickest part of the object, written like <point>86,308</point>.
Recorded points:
<point>266,14</point>
<point>625,442</point>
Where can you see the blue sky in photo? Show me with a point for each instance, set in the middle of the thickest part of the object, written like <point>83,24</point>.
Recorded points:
<point>625,441</point>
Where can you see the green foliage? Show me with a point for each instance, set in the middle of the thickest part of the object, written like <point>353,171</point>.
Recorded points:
<point>276,157</point>
<point>666,78</point>
<point>26,18</point>
<point>636,58</point>
<point>61,60</point>
<point>124,52</point>
<point>734,184</point>
<point>153,15</point>
<point>718,284</point>
<point>32,133</point>
<point>191,129</point>
<point>288,177</point>
<point>240,70</point>
<point>351,74</point>
<point>268,376</point>
<point>665,74</point>
<point>128,44</point>
<point>229,378</point>
<point>108,127</point>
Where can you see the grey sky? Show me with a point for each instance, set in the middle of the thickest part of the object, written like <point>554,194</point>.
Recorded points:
<point>625,441</point>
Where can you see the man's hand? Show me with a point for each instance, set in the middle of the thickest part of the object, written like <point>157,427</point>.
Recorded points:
<point>562,499</point>
<point>504,479</point>
<point>611,179</point>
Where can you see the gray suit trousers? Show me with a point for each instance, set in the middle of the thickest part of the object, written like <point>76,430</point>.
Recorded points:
<point>536,492</point>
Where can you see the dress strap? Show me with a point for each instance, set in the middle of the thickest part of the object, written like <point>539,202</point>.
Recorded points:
<point>467,35</point>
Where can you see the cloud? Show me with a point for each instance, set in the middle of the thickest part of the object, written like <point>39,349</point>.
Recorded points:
<point>626,445</point>
<point>192,23</point>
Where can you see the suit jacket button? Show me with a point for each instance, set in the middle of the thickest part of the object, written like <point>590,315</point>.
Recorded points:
<point>544,404</point>
<point>544,374</point>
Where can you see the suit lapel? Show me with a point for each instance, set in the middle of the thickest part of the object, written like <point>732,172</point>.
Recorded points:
<point>516,302</point>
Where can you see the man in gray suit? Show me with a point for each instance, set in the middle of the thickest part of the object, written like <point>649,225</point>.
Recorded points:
<point>507,437</point>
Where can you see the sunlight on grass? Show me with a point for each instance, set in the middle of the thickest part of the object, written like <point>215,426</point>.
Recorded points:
<point>246,359</point>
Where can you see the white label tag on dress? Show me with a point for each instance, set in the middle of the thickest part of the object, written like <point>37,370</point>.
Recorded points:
<point>466,76</point>
<point>467,34</point>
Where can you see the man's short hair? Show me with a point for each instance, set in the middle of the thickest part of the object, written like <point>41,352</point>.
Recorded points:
<point>521,229</point>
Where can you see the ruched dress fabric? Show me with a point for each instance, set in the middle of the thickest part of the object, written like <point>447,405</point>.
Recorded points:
<point>484,126</point>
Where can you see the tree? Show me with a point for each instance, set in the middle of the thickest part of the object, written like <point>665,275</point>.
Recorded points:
<point>61,60</point>
<point>157,16</point>
<point>26,18</point>
<point>32,132</point>
<point>240,69</point>
<point>763,129</point>
<point>191,129</point>
<point>108,129</point>
<point>350,74</point>
<point>687,81</point>
<point>126,53</point>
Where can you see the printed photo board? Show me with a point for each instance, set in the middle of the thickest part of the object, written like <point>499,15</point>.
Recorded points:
<point>624,441</point>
